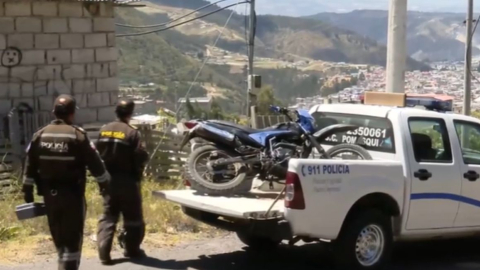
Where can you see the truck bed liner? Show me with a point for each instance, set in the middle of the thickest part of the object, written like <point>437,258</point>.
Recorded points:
<point>250,206</point>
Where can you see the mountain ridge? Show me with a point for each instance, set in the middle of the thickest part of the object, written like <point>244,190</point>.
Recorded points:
<point>332,43</point>
<point>431,36</point>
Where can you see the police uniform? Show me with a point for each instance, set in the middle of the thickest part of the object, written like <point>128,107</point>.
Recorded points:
<point>120,146</point>
<point>56,163</point>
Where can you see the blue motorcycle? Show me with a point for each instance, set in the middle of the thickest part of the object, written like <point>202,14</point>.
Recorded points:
<point>235,154</point>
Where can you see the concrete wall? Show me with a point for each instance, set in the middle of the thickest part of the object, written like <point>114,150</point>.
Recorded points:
<point>49,48</point>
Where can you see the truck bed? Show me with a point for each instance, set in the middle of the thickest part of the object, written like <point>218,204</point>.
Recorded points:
<point>250,206</point>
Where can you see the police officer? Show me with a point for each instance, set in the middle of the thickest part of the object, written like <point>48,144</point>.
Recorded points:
<point>120,146</point>
<point>57,158</point>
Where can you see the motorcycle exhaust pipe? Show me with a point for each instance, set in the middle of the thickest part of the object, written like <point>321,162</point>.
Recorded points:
<point>228,161</point>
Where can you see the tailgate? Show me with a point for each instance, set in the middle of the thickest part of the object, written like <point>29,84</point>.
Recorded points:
<point>253,206</point>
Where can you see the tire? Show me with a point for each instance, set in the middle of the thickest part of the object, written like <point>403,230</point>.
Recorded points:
<point>241,183</point>
<point>358,150</point>
<point>257,242</point>
<point>345,247</point>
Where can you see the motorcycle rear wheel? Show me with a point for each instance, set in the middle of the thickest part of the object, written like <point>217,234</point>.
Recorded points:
<point>241,183</point>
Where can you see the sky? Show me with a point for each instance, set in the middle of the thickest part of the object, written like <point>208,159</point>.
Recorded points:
<point>309,7</point>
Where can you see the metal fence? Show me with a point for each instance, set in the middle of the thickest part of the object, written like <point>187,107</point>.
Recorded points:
<point>15,134</point>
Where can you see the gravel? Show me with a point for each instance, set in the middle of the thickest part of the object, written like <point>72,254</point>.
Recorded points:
<point>227,253</point>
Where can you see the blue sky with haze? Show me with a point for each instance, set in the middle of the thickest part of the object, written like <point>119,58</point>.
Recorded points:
<point>309,7</point>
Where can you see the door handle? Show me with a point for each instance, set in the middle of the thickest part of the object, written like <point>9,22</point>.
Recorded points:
<point>422,174</point>
<point>471,176</point>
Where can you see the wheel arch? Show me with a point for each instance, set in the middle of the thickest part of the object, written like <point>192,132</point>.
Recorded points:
<point>379,200</point>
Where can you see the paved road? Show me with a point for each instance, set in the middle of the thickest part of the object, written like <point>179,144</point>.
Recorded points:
<point>226,253</point>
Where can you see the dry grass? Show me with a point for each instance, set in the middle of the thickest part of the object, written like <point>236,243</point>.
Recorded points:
<point>166,225</point>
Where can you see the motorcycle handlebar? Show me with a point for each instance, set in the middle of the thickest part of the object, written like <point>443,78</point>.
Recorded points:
<point>278,109</point>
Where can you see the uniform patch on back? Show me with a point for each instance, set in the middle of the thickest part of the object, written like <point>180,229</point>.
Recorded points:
<point>113,134</point>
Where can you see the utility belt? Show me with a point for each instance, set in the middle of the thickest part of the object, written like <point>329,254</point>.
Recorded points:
<point>54,186</point>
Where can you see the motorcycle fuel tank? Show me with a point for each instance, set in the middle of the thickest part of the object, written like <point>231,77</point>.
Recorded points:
<point>30,210</point>
<point>262,137</point>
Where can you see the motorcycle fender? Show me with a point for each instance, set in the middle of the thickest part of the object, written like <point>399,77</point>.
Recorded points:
<point>324,133</point>
<point>190,135</point>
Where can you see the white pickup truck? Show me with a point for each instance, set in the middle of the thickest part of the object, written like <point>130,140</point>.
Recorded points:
<point>421,184</point>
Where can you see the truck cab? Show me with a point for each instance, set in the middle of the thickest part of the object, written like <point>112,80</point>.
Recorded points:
<point>423,182</point>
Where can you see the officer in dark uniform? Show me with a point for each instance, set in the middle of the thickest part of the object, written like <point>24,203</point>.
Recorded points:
<point>57,159</point>
<point>120,146</point>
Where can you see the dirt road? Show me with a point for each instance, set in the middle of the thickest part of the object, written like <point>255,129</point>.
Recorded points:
<point>226,253</point>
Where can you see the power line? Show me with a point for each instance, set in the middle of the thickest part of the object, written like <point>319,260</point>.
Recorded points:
<point>172,21</point>
<point>182,23</point>
<point>193,83</point>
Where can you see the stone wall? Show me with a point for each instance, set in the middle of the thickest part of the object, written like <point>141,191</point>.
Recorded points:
<point>49,48</point>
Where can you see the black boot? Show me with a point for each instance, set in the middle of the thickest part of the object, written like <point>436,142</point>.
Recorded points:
<point>107,261</point>
<point>137,254</point>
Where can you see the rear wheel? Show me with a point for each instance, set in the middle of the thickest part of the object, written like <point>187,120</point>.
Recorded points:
<point>349,151</point>
<point>223,180</point>
<point>365,242</point>
<point>257,242</point>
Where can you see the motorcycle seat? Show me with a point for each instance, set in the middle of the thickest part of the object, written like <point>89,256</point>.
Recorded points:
<point>244,128</point>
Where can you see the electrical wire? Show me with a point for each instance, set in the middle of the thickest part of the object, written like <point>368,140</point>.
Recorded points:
<point>193,83</point>
<point>172,21</point>
<point>182,23</point>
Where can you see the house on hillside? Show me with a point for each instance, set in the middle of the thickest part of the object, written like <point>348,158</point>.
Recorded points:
<point>203,103</point>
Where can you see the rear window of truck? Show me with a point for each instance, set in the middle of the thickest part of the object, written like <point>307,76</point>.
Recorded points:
<point>373,133</point>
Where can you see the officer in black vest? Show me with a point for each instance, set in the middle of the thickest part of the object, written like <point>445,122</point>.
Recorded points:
<point>57,158</point>
<point>125,157</point>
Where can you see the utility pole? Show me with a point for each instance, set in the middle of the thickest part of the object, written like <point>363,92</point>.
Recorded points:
<point>468,61</point>
<point>397,46</point>
<point>251,97</point>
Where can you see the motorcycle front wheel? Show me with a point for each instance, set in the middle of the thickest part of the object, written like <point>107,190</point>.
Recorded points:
<point>223,180</point>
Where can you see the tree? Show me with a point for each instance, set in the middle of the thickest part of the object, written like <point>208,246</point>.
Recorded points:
<point>361,77</point>
<point>265,98</point>
<point>191,113</point>
<point>215,111</point>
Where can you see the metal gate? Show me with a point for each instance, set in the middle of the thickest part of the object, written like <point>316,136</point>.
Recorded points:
<point>22,124</point>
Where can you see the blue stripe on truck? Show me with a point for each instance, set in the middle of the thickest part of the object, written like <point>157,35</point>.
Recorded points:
<point>444,196</point>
